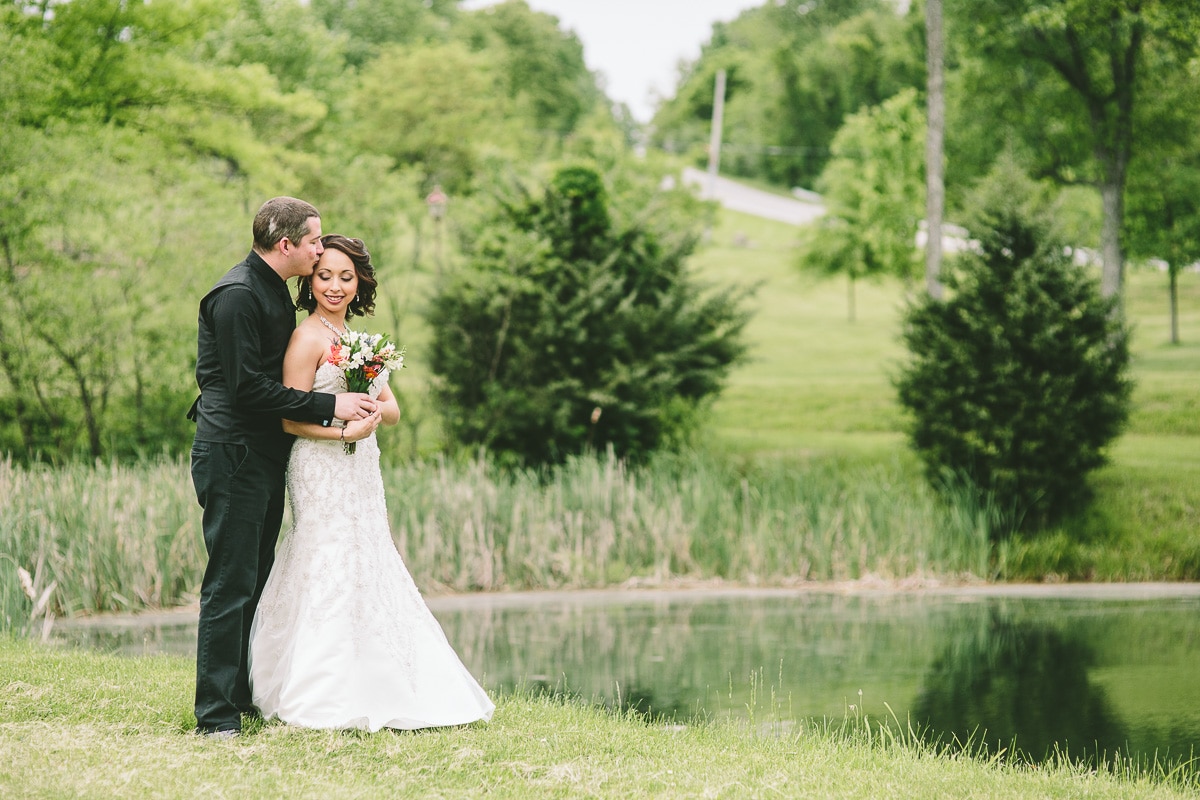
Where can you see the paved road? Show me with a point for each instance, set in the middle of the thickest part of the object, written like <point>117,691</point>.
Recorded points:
<point>736,197</point>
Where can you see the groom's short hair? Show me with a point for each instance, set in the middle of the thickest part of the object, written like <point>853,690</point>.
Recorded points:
<point>282,218</point>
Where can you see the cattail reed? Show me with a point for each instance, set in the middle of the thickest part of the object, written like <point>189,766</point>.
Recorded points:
<point>127,537</point>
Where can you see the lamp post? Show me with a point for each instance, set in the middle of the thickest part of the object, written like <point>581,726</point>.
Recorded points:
<point>436,202</point>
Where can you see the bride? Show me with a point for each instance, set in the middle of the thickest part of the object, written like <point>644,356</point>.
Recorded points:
<point>342,637</point>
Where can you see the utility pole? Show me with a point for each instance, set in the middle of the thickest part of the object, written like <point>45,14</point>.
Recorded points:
<point>714,142</point>
<point>935,184</point>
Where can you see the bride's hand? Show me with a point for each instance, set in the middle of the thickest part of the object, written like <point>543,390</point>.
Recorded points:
<point>359,429</point>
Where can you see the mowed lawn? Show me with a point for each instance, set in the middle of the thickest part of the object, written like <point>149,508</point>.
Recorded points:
<point>813,381</point>
<point>819,384</point>
<point>816,380</point>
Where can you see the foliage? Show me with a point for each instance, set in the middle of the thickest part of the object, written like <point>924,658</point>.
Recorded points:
<point>542,65</point>
<point>858,63</point>
<point>873,188</point>
<point>139,138</point>
<point>104,190</point>
<point>369,26</point>
<point>1162,206</point>
<point>795,71</point>
<point>1068,80</point>
<point>310,56</point>
<point>1016,383</point>
<point>434,119</point>
<point>1163,220</point>
<point>573,329</point>
<point>81,215</point>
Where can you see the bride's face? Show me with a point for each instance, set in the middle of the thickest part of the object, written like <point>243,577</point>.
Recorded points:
<point>334,283</point>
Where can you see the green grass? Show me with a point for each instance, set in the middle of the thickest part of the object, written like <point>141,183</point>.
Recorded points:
<point>128,537</point>
<point>78,724</point>
<point>814,381</point>
<point>820,385</point>
<point>801,473</point>
<point>815,377</point>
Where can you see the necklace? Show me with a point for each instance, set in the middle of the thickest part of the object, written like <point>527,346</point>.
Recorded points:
<point>331,327</point>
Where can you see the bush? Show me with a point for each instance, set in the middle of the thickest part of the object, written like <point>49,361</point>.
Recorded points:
<point>571,331</point>
<point>1017,382</point>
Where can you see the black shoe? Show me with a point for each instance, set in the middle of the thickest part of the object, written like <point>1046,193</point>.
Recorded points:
<point>221,735</point>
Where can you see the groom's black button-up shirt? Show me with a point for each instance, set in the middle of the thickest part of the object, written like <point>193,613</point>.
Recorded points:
<point>246,320</point>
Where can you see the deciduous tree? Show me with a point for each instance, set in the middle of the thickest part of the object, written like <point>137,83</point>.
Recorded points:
<point>541,65</point>
<point>873,194</point>
<point>442,116</point>
<point>1067,77</point>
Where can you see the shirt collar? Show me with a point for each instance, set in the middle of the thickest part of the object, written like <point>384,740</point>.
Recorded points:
<point>273,279</point>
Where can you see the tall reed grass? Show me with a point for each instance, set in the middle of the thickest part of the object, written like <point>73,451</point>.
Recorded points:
<point>111,537</point>
<point>595,522</point>
<point>125,537</point>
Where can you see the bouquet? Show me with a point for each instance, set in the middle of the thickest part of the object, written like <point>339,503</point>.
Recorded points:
<point>362,357</point>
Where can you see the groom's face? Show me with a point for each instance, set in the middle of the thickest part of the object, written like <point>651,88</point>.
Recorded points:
<point>303,255</point>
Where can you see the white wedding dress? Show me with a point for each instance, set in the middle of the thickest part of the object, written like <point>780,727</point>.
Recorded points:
<point>342,637</point>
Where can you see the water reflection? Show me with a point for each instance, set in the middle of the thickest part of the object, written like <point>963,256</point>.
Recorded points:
<point>1021,687</point>
<point>1078,673</point>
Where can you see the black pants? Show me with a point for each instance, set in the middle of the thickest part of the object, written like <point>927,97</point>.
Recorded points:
<point>242,494</point>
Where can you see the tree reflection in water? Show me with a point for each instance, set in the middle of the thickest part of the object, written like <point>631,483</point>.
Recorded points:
<point>1021,688</point>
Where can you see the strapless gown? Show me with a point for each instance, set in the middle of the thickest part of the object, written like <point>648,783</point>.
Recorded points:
<point>342,637</point>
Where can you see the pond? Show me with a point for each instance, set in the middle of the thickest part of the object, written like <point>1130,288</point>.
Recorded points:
<point>1108,670</point>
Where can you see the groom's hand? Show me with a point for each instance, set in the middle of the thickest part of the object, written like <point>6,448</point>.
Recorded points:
<point>353,405</point>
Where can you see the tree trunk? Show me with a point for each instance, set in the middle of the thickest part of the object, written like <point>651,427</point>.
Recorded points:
<point>1113,276</point>
<point>86,401</point>
<point>851,305</point>
<point>10,369</point>
<point>1173,272</point>
<point>10,353</point>
<point>714,142</point>
<point>87,395</point>
<point>935,188</point>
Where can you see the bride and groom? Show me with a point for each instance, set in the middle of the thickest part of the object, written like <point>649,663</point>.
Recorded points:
<point>330,631</point>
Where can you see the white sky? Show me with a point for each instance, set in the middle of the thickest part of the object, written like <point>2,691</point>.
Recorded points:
<point>636,44</point>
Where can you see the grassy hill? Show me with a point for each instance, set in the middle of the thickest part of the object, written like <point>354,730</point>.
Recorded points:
<point>818,384</point>
<point>817,380</point>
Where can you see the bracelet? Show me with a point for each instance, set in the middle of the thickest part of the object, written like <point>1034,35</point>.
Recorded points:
<point>342,436</point>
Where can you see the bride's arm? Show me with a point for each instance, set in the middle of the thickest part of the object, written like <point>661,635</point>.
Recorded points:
<point>388,407</point>
<point>304,356</point>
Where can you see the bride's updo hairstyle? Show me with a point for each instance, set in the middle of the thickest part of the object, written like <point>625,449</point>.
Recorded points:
<point>363,302</point>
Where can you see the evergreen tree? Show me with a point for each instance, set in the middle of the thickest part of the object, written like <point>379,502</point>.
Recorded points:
<point>571,330</point>
<point>1018,381</point>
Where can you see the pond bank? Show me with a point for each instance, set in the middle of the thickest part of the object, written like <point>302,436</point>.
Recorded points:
<point>702,590</point>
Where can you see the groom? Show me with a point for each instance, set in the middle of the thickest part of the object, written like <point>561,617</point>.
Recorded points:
<point>240,452</point>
